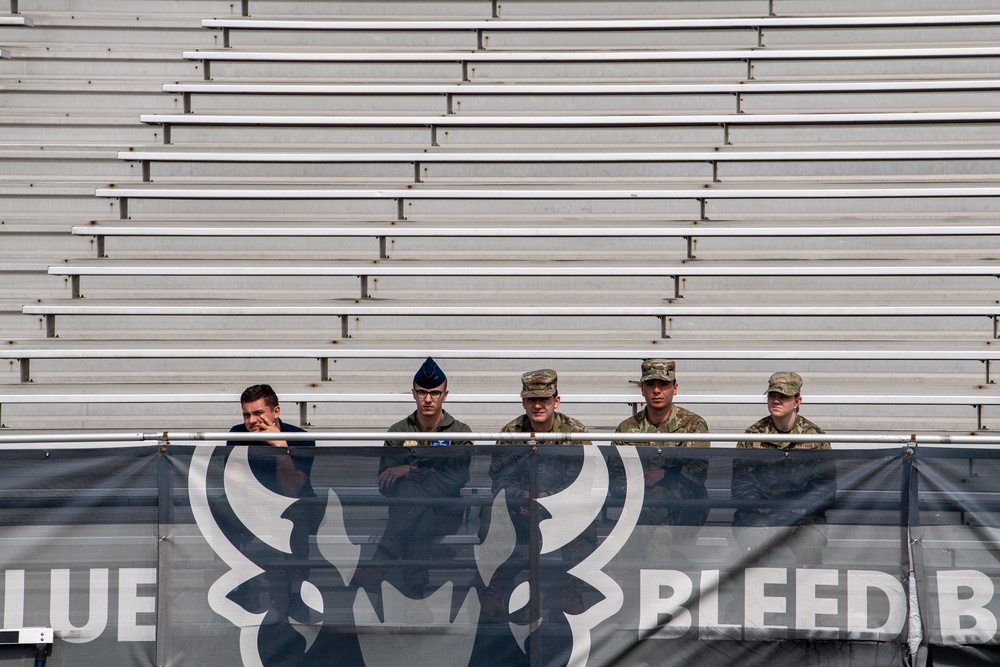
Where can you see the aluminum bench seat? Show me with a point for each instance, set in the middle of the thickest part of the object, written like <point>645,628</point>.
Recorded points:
<point>718,166</point>
<point>345,312</point>
<point>582,71</point>
<point>747,57</point>
<point>383,233</point>
<point>401,196</point>
<point>437,123</point>
<point>754,25</point>
<point>97,394</point>
<point>366,271</point>
<point>24,352</point>
<point>544,98</point>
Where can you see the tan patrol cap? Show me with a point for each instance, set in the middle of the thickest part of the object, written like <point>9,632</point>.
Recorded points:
<point>787,384</point>
<point>658,369</point>
<point>539,384</point>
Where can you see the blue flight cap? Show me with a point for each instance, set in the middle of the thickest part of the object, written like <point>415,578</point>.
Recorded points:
<point>429,375</point>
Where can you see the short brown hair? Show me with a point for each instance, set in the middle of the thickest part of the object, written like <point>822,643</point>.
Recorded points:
<point>257,392</point>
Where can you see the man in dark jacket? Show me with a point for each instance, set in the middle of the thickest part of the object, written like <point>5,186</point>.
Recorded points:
<point>280,466</point>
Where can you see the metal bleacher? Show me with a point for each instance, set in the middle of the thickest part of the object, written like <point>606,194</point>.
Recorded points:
<point>209,194</point>
<point>12,21</point>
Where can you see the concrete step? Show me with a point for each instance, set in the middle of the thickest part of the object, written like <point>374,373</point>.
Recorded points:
<point>127,8</point>
<point>164,276</point>
<point>579,332</point>
<point>555,9</point>
<point>632,72</point>
<point>400,290</point>
<point>128,318</point>
<point>35,283</point>
<point>36,64</point>
<point>713,37</point>
<point>638,249</point>
<point>34,99</point>
<point>16,324</point>
<point>598,172</point>
<point>218,416</point>
<point>544,208</point>
<point>52,199</point>
<point>79,129</point>
<point>387,9</point>
<point>94,30</point>
<point>59,164</point>
<point>555,103</point>
<point>38,244</point>
<point>499,375</point>
<point>971,135</point>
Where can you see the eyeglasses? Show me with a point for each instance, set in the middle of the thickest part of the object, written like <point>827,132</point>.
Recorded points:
<point>424,393</point>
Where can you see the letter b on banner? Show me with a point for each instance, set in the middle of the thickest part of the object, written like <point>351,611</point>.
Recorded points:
<point>665,617</point>
<point>965,594</point>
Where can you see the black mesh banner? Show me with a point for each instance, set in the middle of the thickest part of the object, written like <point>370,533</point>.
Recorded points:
<point>544,555</point>
<point>79,530</point>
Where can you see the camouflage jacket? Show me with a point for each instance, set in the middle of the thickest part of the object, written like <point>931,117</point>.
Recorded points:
<point>811,482</point>
<point>555,472</point>
<point>678,470</point>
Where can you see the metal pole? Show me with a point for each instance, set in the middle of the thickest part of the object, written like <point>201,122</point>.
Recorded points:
<point>534,543</point>
<point>348,438</point>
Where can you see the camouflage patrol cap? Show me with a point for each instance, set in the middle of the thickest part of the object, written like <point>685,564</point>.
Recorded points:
<point>658,369</point>
<point>787,384</point>
<point>539,384</point>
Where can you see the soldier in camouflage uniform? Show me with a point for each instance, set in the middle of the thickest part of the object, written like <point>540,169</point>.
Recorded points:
<point>806,486</point>
<point>540,398</point>
<point>511,473</point>
<point>666,478</point>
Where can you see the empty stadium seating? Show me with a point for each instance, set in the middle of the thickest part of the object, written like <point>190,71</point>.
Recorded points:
<point>744,186</point>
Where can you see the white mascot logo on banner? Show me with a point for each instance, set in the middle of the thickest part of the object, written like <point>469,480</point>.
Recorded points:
<point>449,643</point>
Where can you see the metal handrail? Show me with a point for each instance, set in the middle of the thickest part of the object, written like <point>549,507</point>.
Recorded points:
<point>350,438</point>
